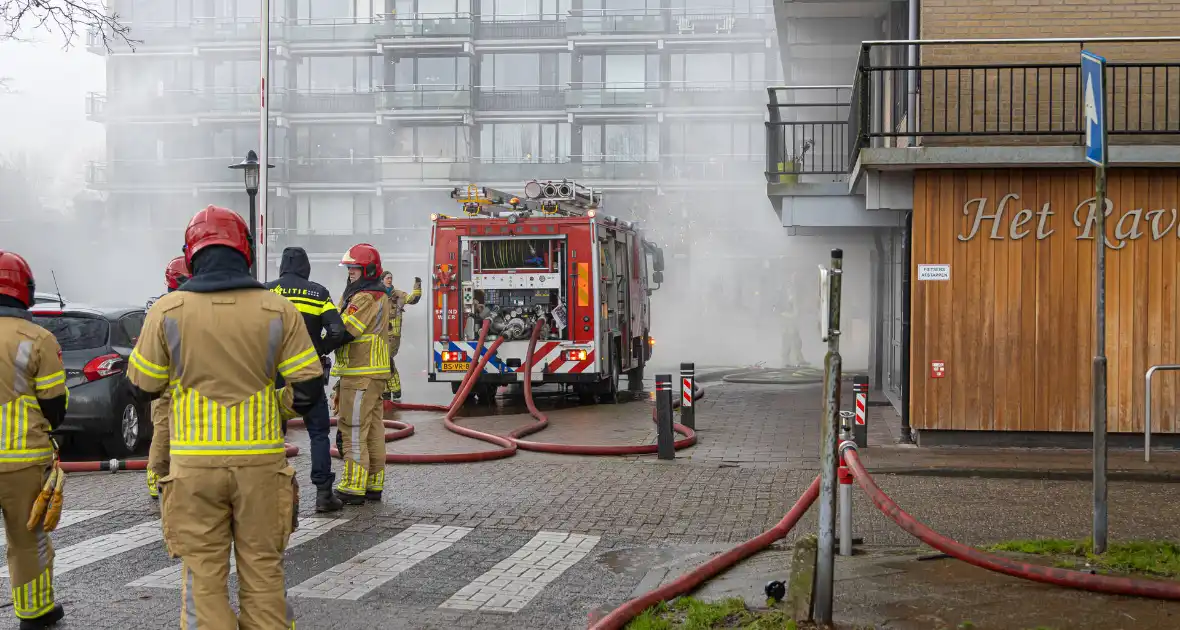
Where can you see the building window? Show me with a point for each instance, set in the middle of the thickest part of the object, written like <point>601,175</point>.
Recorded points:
<point>156,12</point>
<point>432,72</point>
<point>523,10</point>
<point>339,74</point>
<point>694,141</point>
<point>431,142</point>
<point>331,11</point>
<point>620,72</point>
<point>334,141</point>
<point>524,142</point>
<point>429,9</point>
<point>718,68</point>
<point>325,214</point>
<point>520,70</point>
<point>622,7</point>
<point>621,143</point>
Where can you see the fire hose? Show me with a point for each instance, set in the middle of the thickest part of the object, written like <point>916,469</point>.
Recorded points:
<point>1155,589</point>
<point>115,465</point>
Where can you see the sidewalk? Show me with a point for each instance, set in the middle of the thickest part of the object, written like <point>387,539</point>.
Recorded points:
<point>1018,463</point>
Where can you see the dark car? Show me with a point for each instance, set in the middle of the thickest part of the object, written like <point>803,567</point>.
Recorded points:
<point>95,345</point>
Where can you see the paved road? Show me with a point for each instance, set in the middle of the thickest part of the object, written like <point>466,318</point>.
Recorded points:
<point>538,541</point>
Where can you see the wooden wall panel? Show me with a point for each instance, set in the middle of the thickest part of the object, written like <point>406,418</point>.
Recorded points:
<point>1015,322</point>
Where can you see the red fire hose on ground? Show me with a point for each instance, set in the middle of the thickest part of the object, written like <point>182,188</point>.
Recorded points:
<point>1155,589</point>
<point>115,465</point>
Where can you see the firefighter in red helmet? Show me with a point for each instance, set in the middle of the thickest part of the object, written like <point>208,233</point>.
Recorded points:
<point>32,386</point>
<point>175,274</point>
<point>362,365</point>
<point>217,344</point>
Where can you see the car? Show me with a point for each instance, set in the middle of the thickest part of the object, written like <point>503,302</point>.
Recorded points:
<point>41,297</point>
<point>95,345</point>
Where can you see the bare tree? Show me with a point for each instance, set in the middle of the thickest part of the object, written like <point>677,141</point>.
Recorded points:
<point>64,18</point>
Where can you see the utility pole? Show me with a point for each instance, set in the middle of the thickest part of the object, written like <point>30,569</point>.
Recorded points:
<point>263,148</point>
<point>830,280</point>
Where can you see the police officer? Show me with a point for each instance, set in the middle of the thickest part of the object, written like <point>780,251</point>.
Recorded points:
<point>399,300</point>
<point>219,343</point>
<point>33,398</point>
<point>175,274</point>
<point>362,365</point>
<point>320,316</point>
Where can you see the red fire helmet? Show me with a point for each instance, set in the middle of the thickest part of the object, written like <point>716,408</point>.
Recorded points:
<point>16,278</point>
<point>217,226</point>
<point>176,272</point>
<point>366,258</point>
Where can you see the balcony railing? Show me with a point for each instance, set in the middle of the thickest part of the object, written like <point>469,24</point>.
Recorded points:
<point>712,167</point>
<point>522,27</point>
<point>225,29</point>
<point>425,25</point>
<point>671,21</point>
<point>419,168</point>
<point>714,93</point>
<point>330,101</point>
<point>808,132</point>
<point>614,94</point>
<point>536,97</point>
<point>425,96</point>
<point>173,172</point>
<point>346,170</point>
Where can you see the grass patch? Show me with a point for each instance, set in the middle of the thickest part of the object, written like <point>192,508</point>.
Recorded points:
<point>687,613</point>
<point>1145,557</point>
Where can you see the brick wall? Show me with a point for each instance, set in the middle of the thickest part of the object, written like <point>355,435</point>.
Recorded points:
<point>1030,99</point>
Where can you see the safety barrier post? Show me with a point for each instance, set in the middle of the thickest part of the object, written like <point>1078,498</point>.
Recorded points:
<point>688,381</point>
<point>860,428</point>
<point>825,566</point>
<point>665,441</point>
<point>845,478</point>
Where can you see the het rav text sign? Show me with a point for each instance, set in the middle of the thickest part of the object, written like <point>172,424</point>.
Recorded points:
<point>1009,219</point>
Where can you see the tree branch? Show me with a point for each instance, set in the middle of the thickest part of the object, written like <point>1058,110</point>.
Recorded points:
<point>64,18</point>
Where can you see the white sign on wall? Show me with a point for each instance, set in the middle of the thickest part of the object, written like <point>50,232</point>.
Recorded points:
<point>934,272</point>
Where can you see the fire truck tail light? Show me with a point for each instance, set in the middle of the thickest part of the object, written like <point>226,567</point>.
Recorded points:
<point>575,355</point>
<point>651,341</point>
<point>454,357</point>
<point>583,284</point>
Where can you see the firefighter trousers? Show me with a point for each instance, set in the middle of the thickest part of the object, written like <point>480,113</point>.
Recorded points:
<point>207,512</point>
<point>362,436</point>
<point>158,453</point>
<point>393,386</point>
<point>30,553</point>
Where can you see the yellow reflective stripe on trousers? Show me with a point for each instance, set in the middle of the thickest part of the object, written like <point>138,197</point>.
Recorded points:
<point>35,598</point>
<point>158,372</point>
<point>14,433</point>
<point>378,364</point>
<point>51,381</point>
<point>376,482</point>
<point>201,426</point>
<point>298,362</point>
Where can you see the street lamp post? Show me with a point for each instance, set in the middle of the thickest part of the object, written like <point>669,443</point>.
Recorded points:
<point>250,168</point>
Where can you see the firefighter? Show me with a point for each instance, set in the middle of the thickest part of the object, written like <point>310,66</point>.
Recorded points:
<point>175,274</point>
<point>398,302</point>
<point>362,365</point>
<point>33,390</point>
<point>219,343</point>
<point>327,331</point>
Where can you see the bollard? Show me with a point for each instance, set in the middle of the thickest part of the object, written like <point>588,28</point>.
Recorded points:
<point>688,381</point>
<point>860,428</point>
<point>844,476</point>
<point>665,439</point>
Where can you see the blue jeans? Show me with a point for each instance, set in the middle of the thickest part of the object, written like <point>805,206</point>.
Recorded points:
<point>316,422</point>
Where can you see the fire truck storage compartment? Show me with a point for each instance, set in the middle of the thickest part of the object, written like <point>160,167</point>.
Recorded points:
<point>520,280</point>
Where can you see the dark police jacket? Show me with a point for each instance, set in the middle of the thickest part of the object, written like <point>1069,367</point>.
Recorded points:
<point>311,298</point>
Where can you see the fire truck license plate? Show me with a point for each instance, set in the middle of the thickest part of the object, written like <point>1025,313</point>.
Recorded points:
<point>455,367</point>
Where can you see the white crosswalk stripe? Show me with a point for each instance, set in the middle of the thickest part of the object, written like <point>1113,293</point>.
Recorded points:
<point>69,517</point>
<point>100,548</point>
<point>516,580</point>
<point>377,565</point>
<point>309,529</point>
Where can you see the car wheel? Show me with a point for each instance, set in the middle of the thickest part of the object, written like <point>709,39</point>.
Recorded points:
<point>128,434</point>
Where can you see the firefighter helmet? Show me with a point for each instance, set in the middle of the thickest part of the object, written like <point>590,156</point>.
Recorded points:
<point>366,258</point>
<point>16,278</point>
<point>176,272</point>
<point>217,226</point>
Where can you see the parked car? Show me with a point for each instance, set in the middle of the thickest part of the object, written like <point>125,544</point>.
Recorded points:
<point>95,345</point>
<point>41,297</point>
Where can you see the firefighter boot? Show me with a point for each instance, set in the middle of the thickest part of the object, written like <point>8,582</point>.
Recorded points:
<point>48,620</point>
<point>325,499</point>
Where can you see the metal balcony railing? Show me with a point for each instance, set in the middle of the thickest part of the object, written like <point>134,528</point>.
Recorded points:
<point>808,132</point>
<point>424,25</point>
<point>343,170</point>
<point>671,21</point>
<point>521,27</point>
<point>532,97</point>
<point>174,172</point>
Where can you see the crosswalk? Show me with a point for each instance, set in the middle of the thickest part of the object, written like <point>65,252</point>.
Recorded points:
<point>512,583</point>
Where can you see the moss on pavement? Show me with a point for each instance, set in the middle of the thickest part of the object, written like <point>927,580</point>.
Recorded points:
<point>1159,558</point>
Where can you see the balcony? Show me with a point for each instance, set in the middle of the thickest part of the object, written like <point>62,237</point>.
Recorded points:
<point>548,27</point>
<point>354,29</point>
<point>579,167</point>
<point>715,94</point>
<point>808,132</point>
<point>423,26</point>
<point>172,173</point>
<point>209,30</point>
<point>586,95</point>
<point>528,98</point>
<point>732,168</point>
<point>347,170</point>
<point>424,96</point>
<point>671,21</point>
<point>344,101</point>
<point>413,169</point>
<point>146,104</point>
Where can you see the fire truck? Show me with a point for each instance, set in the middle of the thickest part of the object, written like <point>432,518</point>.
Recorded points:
<point>551,255</point>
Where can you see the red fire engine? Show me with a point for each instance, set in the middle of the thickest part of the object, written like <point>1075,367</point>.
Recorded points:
<point>552,255</point>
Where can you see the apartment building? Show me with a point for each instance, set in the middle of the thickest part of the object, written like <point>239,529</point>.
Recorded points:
<point>962,161</point>
<point>379,109</point>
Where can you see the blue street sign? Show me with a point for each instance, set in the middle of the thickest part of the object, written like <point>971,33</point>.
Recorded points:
<point>1094,107</point>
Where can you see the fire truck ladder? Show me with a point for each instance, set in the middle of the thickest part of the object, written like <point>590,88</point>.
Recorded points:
<point>549,198</point>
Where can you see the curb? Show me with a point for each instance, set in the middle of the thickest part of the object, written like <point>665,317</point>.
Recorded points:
<point>1146,476</point>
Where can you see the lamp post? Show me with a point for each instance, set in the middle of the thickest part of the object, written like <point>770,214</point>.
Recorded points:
<point>250,168</point>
